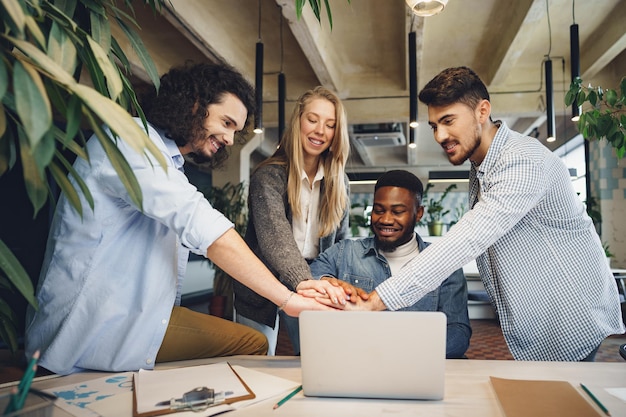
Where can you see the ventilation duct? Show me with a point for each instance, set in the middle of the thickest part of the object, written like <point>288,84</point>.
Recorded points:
<point>378,135</point>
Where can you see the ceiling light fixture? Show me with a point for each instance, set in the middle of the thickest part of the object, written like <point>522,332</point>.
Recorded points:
<point>282,86</point>
<point>574,46</point>
<point>426,7</point>
<point>258,81</point>
<point>412,87</point>
<point>549,84</point>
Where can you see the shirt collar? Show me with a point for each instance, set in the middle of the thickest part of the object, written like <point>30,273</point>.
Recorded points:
<point>494,149</point>
<point>172,148</point>
<point>319,175</point>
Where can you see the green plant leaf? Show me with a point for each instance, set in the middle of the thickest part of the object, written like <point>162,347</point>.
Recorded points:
<point>4,79</point>
<point>8,331</point>
<point>36,188</point>
<point>35,31</point>
<point>54,70</point>
<point>16,17</point>
<point>66,187</point>
<point>108,69</point>
<point>73,117</point>
<point>100,30</point>
<point>611,97</point>
<point>142,53</point>
<point>77,178</point>
<point>593,97</point>
<point>119,121</point>
<point>124,171</point>
<point>7,151</point>
<point>31,102</point>
<point>61,49</point>
<point>16,274</point>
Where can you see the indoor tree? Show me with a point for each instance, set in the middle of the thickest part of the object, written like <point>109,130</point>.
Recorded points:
<point>47,49</point>
<point>606,119</point>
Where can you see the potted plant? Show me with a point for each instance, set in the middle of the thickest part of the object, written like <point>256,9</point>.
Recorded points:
<point>435,210</point>
<point>607,116</point>
<point>459,211</point>
<point>359,222</point>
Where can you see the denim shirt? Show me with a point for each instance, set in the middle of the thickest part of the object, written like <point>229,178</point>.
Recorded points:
<point>359,263</point>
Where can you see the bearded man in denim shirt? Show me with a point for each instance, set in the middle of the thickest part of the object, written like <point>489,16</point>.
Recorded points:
<point>365,263</point>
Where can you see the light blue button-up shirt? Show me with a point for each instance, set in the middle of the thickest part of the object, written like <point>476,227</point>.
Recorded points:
<point>110,279</point>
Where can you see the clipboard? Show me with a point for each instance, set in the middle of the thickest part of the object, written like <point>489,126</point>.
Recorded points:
<point>151,387</point>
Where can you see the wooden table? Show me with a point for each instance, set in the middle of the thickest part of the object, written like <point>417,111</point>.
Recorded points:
<point>468,391</point>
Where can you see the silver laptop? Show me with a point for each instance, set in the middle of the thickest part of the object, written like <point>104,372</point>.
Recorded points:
<point>367,354</point>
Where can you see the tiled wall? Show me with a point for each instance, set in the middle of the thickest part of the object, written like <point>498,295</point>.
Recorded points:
<point>608,183</point>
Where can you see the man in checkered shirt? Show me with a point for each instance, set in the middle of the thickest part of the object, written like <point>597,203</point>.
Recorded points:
<point>539,256</point>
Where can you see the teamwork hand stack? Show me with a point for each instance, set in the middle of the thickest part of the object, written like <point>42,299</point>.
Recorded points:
<point>19,393</point>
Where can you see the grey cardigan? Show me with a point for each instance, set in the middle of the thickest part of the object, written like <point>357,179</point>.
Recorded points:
<point>270,236</point>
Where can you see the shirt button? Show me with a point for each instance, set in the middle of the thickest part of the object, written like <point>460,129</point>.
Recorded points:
<point>356,281</point>
<point>163,321</point>
<point>149,361</point>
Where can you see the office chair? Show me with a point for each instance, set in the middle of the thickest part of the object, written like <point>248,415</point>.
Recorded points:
<point>622,350</point>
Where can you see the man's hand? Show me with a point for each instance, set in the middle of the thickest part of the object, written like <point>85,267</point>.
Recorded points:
<point>349,289</point>
<point>314,288</point>
<point>373,303</point>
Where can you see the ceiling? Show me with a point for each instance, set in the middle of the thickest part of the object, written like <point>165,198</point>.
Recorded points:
<point>364,58</point>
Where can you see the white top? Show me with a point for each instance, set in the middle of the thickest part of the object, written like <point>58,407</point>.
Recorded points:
<point>306,227</point>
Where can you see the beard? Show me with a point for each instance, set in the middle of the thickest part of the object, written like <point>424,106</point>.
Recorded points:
<point>200,157</point>
<point>461,157</point>
<point>391,245</point>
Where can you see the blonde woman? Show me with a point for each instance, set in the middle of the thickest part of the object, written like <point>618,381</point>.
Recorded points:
<point>298,206</point>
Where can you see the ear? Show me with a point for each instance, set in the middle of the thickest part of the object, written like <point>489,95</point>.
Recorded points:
<point>483,111</point>
<point>419,213</point>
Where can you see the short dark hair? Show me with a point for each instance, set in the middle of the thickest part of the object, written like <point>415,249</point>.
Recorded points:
<point>454,85</point>
<point>402,179</point>
<point>180,106</point>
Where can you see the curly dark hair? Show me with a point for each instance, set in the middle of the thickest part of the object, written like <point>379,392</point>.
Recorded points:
<point>454,85</point>
<point>181,104</point>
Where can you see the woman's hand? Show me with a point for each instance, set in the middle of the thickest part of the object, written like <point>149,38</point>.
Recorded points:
<point>298,303</point>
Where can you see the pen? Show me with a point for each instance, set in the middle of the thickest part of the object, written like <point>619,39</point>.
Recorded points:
<point>291,394</point>
<point>18,395</point>
<point>595,400</point>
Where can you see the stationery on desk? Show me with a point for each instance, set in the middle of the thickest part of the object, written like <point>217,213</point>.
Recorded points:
<point>192,388</point>
<point>540,398</point>
<point>19,394</point>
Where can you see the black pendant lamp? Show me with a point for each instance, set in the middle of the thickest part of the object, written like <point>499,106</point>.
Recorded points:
<point>412,89</point>
<point>258,81</point>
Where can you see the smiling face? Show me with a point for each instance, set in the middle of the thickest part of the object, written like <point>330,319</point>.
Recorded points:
<point>458,129</point>
<point>223,121</point>
<point>394,216</point>
<point>317,127</point>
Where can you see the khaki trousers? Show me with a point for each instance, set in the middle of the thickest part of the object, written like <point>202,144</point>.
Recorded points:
<point>193,335</point>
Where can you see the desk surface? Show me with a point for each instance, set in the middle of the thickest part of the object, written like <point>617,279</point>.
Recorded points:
<point>468,391</point>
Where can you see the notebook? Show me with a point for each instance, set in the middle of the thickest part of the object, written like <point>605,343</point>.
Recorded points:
<point>367,354</point>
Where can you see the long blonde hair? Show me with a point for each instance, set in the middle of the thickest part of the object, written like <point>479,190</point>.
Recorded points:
<point>334,200</point>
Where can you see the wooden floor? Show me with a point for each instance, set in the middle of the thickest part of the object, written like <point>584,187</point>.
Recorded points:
<point>487,342</point>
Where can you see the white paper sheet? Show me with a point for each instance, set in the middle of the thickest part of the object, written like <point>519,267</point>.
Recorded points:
<point>264,386</point>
